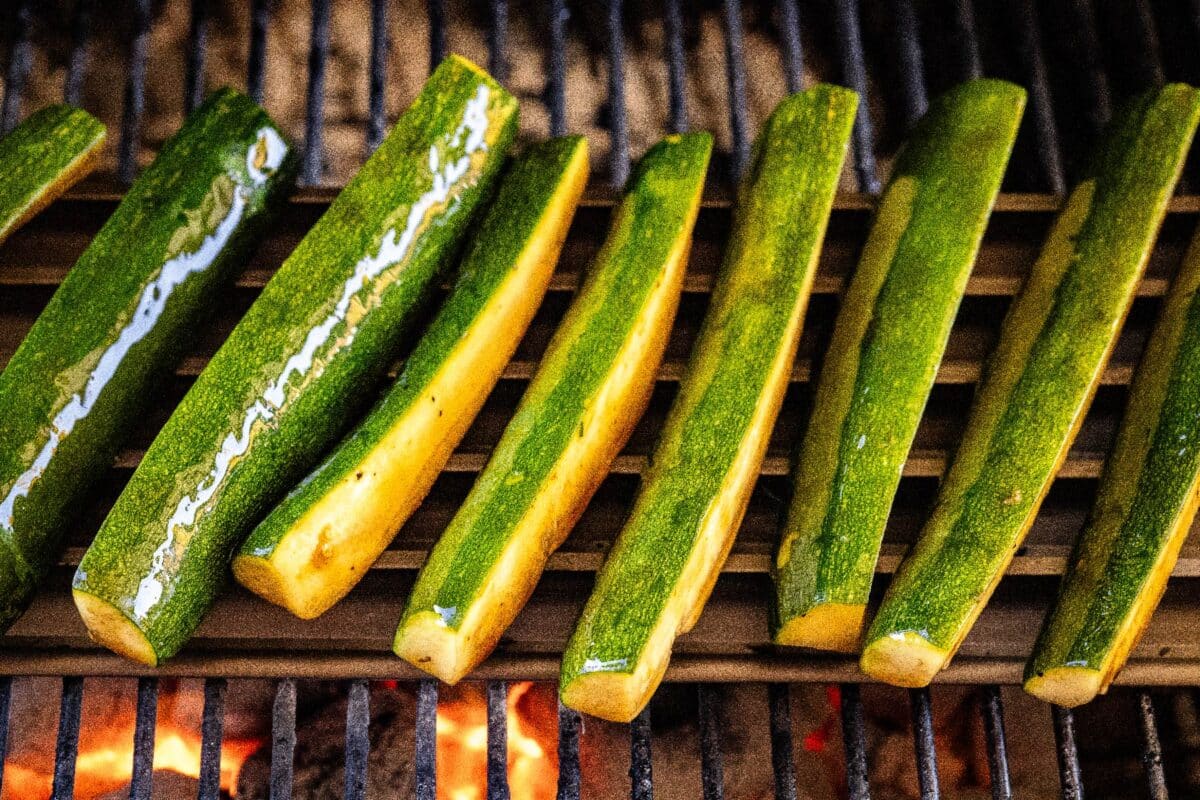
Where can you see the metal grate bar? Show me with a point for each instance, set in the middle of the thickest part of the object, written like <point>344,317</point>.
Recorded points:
<point>314,115</point>
<point>193,90</point>
<point>641,778</point>
<point>497,40</point>
<point>67,747</point>
<point>676,67</point>
<point>140,782</point>
<point>854,739</point>
<point>378,81</point>
<point>212,731</point>
<point>256,66</point>
<point>993,731</point>
<point>712,767</point>
<point>617,119</point>
<point>909,64</point>
<point>970,62</point>
<point>1152,754</point>
<point>437,33</point>
<point>18,67</point>
<point>283,739</point>
<point>425,755</point>
<point>1145,64</point>
<point>854,73</point>
<point>1068,756</point>
<point>735,64</point>
<point>556,85</point>
<point>793,51</point>
<point>1092,80</point>
<point>77,60</point>
<point>923,743</point>
<point>779,701</point>
<point>497,740</point>
<point>358,739</point>
<point>569,723</point>
<point>135,93</point>
<point>5,698</point>
<point>1041,107</point>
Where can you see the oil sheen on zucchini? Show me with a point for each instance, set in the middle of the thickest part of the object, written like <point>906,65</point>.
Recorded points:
<point>296,368</point>
<point>43,157</point>
<point>1144,509</point>
<point>704,466</point>
<point>592,386</point>
<point>309,551</point>
<point>1038,385</point>
<point>120,320</point>
<point>882,360</point>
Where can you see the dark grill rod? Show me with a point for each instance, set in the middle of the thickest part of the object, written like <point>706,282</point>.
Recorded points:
<point>618,122</point>
<point>854,73</point>
<point>497,40</point>
<point>212,731</point>
<point>18,67</point>
<point>854,739</point>
<point>1090,79</point>
<point>793,51</point>
<point>712,767</point>
<point>135,93</point>
<point>676,67</point>
<point>193,91</point>
<point>314,115</point>
<point>568,753</point>
<point>5,697</point>
<point>1152,754</point>
<point>437,33</point>
<point>1068,756</point>
<point>970,61</point>
<point>1041,107</point>
<point>358,739</point>
<point>923,743</point>
<point>779,700</point>
<point>67,746</point>
<point>556,85</point>
<point>497,740</point>
<point>735,63</point>
<point>1146,57</point>
<point>993,731</point>
<point>256,66</point>
<point>140,782</point>
<point>283,739</point>
<point>909,64</point>
<point>425,754</point>
<point>378,80</point>
<point>641,778</point>
<point>77,60</point>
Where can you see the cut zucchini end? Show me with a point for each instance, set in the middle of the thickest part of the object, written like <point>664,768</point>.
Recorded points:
<point>614,696</point>
<point>261,576</point>
<point>1066,686</point>
<point>828,626</point>
<point>108,626</point>
<point>903,658</point>
<point>425,642</point>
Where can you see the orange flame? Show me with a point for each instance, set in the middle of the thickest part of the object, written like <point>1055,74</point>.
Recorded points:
<point>462,750</point>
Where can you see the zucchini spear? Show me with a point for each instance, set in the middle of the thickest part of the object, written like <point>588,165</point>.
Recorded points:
<point>296,369</point>
<point>666,560</point>
<point>43,157</point>
<point>309,552</point>
<point>1037,388</point>
<point>1144,508</point>
<point>883,358</point>
<point>592,386</point>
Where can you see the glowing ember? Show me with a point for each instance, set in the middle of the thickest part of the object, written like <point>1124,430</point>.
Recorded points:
<point>462,750</point>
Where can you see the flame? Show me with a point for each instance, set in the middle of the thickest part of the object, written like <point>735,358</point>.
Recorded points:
<point>462,750</point>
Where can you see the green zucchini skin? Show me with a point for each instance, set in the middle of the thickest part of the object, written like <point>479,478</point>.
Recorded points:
<point>1040,380</point>
<point>887,343</point>
<point>1145,504</point>
<point>120,319</point>
<point>728,394</point>
<point>298,366</point>
<point>42,157</point>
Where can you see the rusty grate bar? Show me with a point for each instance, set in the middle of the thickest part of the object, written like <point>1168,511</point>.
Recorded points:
<point>793,51</point>
<point>193,86</point>
<point>569,723</point>
<point>712,767</point>
<point>676,67</point>
<point>18,66</point>
<point>735,64</point>
<point>135,93</point>
<point>212,732</point>
<point>1068,754</point>
<point>1152,754</point>
<point>497,740</point>
<point>314,115</point>
<point>142,774</point>
<point>641,776</point>
<point>618,121</point>
<point>283,739</point>
<point>358,739</point>
<point>923,743</point>
<point>66,748</point>
<point>908,62</point>
<point>425,753</point>
<point>854,74</point>
<point>256,64</point>
<point>997,745</point>
<point>376,122</point>
<point>854,739</point>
